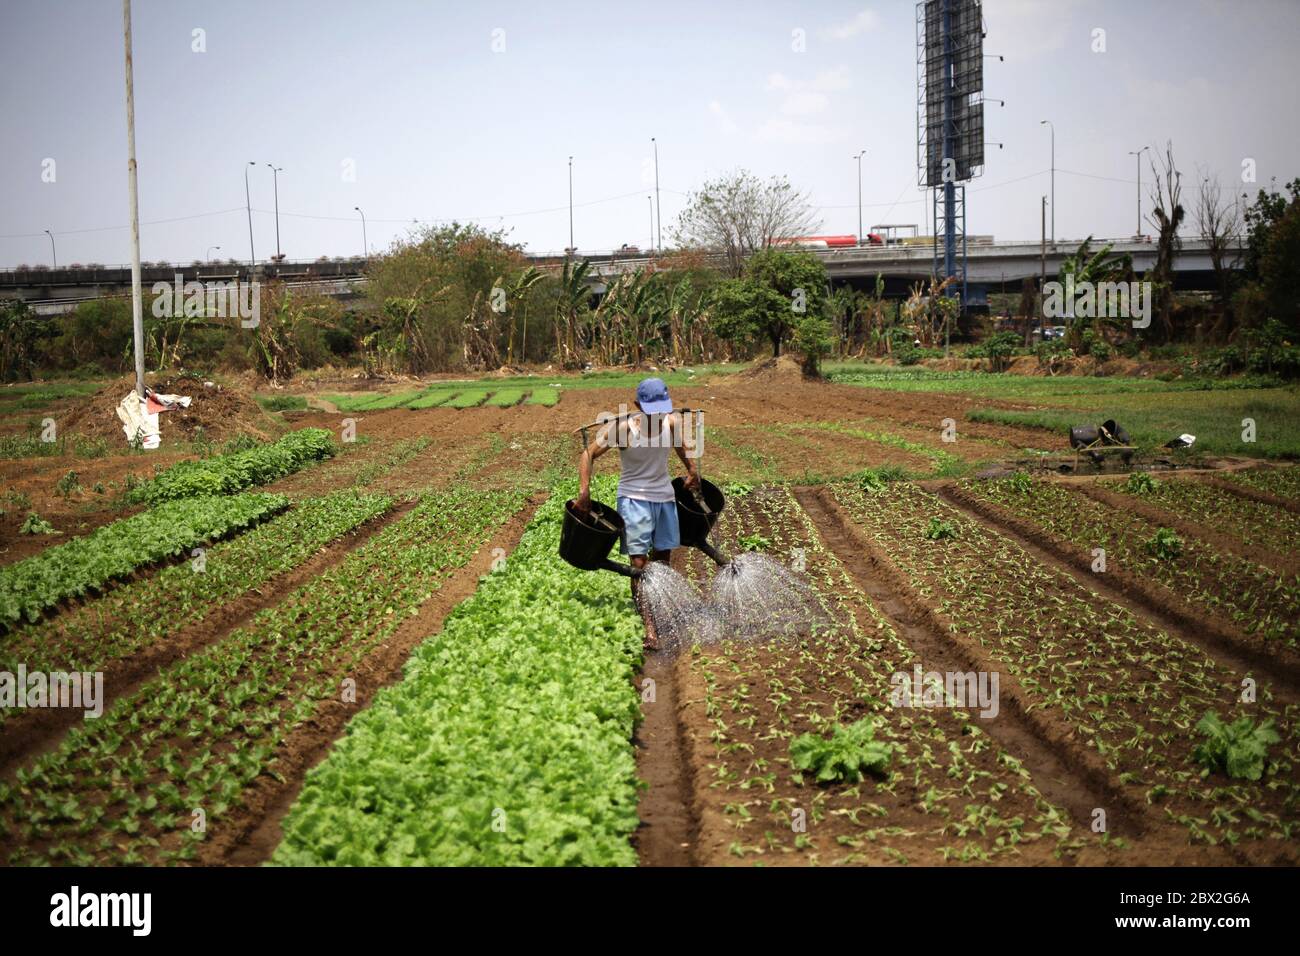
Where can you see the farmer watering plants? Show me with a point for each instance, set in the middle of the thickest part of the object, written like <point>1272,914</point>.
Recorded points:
<point>646,501</point>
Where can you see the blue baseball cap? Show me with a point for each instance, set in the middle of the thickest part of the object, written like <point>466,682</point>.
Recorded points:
<point>652,396</point>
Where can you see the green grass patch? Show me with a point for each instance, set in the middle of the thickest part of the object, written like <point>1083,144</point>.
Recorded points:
<point>544,395</point>
<point>1215,418</point>
<point>506,398</point>
<point>282,403</point>
<point>433,398</point>
<point>469,398</point>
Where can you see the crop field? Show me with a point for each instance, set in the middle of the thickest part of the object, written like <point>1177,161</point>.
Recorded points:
<point>348,638</point>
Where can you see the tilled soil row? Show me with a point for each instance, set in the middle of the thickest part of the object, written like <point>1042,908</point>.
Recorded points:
<point>34,732</point>
<point>250,833</point>
<point>919,627</point>
<point>668,832</point>
<point>1209,632</point>
<point>884,826</point>
<point>1287,564</point>
<point>1254,494</point>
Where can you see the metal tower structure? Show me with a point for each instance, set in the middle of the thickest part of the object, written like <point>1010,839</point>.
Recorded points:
<point>949,123</point>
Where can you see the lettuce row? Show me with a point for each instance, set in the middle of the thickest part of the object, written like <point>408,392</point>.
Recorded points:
<point>508,740</point>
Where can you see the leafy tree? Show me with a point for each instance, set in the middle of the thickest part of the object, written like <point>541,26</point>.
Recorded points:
<point>434,292</point>
<point>739,214</point>
<point>1272,266</point>
<point>781,296</point>
<point>20,331</point>
<point>1085,265</point>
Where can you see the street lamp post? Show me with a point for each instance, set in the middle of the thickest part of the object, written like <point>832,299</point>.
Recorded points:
<point>53,252</point>
<point>571,247</point>
<point>1052,127</point>
<point>208,255</point>
<point>659,235</point>
<point>1138,153</point>
<point>248,206</point>
<point>365,243</point>
<point>275,176</point>
<point>859,159</point>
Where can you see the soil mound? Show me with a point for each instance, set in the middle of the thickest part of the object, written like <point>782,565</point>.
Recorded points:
<point>773,371</point>
<point>220,411</point>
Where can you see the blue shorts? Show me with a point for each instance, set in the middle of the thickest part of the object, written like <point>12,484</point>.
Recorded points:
<point>648,524</point>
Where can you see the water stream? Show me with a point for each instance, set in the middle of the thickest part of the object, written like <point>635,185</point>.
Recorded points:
<point>754,598</point>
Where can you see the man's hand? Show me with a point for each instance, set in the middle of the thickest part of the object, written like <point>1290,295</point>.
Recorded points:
<point>583,503</point>
<point>693,480</point>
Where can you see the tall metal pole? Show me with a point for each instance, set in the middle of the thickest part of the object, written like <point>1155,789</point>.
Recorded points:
<point>208,254</point>
<point>1042,281</point>
<point>859,159</point>
<point>252,256</point>
<point>1051,126</point>
<point>949,150</point>
<point>137,318</point>
<point>571,246</point>
<point>275,177</point>
<point>659,240</point>
<point>53,252</point>
<point>1138,154</point>
<point>365,243</point>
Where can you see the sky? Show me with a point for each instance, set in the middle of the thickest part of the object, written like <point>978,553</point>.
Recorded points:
<point>432,111</point>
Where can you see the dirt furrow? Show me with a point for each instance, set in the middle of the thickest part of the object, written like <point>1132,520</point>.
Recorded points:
<point>1151,603</point>
<point>35,732</point>
<point>1191,529</point>
<point>666,836</point>
<point>1253,494</point>
<point>1036,746</point>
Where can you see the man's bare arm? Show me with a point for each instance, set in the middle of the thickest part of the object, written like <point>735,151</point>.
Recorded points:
<point>598,447</point>
<point>685,449</point>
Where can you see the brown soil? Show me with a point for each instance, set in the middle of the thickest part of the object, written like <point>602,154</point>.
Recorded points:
<point>249,834</point>
<point>1211,633</point>
<point>1058,780</point>
<point>1285,563</point>
<point>77,513</point>
<point>666,836</point>
<point>1253,494</point>
<point>743,670</point>
<point>217,413</point>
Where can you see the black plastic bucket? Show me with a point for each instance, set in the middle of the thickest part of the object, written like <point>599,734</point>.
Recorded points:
<point>694,522</point>
<point>586,540</point>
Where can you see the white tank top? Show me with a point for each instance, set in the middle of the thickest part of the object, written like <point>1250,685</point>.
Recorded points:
<point>643,459</point>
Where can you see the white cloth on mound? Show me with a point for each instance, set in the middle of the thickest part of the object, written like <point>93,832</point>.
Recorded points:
<point>137,423</point>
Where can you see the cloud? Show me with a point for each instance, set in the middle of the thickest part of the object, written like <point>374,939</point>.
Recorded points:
<point>803,104</point>
<point>781,130</point>
<point>864,21</point>
<point>727,124</point>
<point>1030,28</point>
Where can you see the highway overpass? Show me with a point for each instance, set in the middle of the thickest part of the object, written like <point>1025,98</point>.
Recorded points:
<point>991,267</point>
